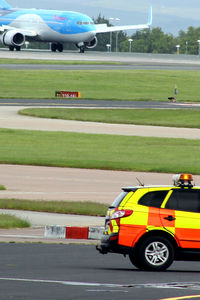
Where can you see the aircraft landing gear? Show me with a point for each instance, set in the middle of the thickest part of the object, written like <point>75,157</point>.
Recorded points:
<point>60,47</point>
<point>55,47</point>
<point>82,49</point>
<point>12,48</point>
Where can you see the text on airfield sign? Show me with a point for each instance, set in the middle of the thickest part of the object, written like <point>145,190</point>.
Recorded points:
<point>67,94</point>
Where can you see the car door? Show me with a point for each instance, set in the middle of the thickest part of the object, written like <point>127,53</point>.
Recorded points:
<point>181,216</point>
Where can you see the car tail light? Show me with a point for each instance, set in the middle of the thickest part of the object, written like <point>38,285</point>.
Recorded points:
<point>113,237</point>
<point>121,214</point>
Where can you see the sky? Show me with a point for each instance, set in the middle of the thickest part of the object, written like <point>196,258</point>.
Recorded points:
<point>170,15</point>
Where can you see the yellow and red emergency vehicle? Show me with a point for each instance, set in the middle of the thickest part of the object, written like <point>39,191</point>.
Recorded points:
<point>155,225</point>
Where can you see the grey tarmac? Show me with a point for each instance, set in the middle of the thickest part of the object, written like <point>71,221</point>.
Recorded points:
<point>9,118</point>
<point>122,57</point>
<point>41,271</point>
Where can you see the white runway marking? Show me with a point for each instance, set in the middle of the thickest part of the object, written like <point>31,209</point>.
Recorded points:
<point>173,285</point>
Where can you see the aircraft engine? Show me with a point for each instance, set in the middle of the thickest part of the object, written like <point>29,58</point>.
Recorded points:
<point>92,44</point>
<point>12,38</point>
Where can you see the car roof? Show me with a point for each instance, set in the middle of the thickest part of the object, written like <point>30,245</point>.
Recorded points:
<point>134,188</point>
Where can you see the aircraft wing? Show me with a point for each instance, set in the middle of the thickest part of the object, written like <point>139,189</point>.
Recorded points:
<point>101,28</point>
<point>25,32</point>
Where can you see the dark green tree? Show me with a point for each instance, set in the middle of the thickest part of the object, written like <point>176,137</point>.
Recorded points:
<point>188,40</point>
<point>105,38</point>
<point>151,41</point>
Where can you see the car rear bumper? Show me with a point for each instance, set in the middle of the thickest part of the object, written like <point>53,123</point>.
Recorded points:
<point>109,243</point>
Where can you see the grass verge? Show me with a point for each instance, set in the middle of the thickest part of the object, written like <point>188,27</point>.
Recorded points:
<point>75,208</point>
<point>17,61</point>
<point>7,221</point>
<point>97,151</point>
<point>2,188</point>
<point>173,118</point>
<point>156,85</point>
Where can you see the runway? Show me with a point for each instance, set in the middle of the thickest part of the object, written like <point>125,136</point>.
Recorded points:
<point>128,61</point>
<point>104,67</point>
<point>122,57</point>
<point>84,103</point>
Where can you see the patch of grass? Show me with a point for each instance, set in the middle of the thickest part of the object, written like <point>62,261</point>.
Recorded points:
<point>173,118</point>
<point>75,208</point>
<point>156,85</point>
<point>7,221</point>
<point>54,62</point>
<point>108,152</point>
<point>2,188</point>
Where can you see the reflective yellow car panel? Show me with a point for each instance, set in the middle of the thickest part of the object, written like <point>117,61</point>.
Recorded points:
<point>138,217</point>
<point>186,219</point>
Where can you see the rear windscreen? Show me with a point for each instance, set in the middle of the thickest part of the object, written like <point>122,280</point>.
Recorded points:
<point>119,199</point>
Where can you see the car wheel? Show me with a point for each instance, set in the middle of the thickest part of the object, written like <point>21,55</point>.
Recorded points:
<point>135,260</point>
<point>155,254</point>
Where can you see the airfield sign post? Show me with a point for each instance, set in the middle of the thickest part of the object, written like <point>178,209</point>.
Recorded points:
<point>111,19</point>
<point>178,49</point>
<point>130,45</point>
<point>199,46</point>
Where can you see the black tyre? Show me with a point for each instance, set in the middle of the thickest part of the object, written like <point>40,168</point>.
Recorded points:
<point>82,49</point>
<point>134,260</point>
<point>11,48</point>
<point>53,47</point>
<point>60,47</point>
<point>156,253</point>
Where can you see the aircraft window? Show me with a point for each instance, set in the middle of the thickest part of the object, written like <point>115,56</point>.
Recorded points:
<point>85,23</point>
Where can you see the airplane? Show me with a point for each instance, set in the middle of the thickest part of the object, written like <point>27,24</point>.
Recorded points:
<point>53,26</point>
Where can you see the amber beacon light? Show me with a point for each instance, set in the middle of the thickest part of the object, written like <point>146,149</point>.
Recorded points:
<point>181,179</point>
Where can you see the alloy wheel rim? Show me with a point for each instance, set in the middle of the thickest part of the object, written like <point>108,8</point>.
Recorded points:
<point>156,253</point>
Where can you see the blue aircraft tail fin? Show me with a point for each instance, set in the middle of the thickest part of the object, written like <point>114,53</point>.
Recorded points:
<point>4,4</point>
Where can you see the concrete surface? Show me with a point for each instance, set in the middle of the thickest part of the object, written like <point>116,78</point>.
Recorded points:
<point>68,184</point>
<point>124,57</point>
<point>10,119</point>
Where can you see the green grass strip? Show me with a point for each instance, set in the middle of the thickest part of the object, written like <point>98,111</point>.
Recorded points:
<point>2,188</point>
<point>24,61</point>
<point>7,221</point>
<point>64,207</point>
<point>156,85</point>
<point>97,151</point>
<point>189,118</point>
